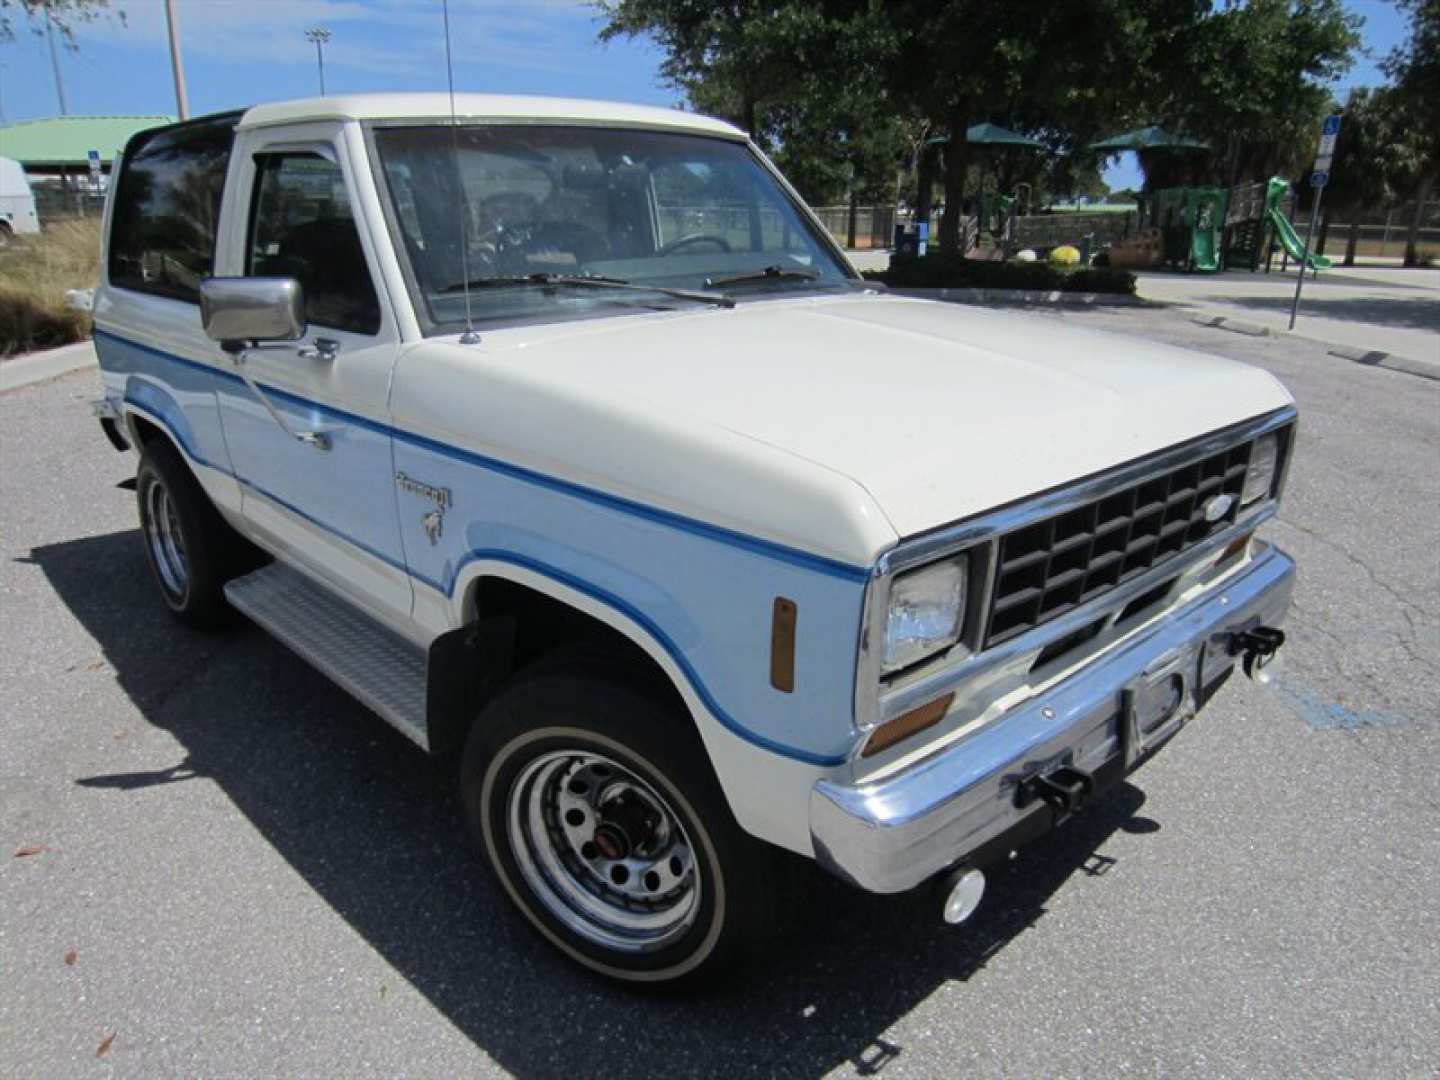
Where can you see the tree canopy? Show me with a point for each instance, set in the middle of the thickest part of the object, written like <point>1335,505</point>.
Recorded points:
<point>848,94</point>
<point>63,16</point>
<point>1414,66</point>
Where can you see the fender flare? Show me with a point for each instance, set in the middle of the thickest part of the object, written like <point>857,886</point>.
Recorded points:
<point>624,618</point>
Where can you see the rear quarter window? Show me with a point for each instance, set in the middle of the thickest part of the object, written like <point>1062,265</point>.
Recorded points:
<point>167,207</point>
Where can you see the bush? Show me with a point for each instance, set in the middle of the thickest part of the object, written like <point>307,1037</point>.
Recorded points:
<point>35,271</point>
<point>954,272</point>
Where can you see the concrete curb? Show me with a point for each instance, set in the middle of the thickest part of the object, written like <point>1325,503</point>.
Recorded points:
<point>40,366</point>
<point>1023,296</point>
<point>1235,326</point>
<point>1378,358</point>
<point>1369,357</point>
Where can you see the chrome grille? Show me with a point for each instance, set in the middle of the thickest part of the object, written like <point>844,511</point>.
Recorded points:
<point>1047,568</point>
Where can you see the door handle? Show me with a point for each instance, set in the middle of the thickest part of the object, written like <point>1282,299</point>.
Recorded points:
<point>320,440</point>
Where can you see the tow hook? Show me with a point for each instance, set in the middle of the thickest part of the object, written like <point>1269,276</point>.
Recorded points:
<point>1257,647</point>
<point>1063,790</point>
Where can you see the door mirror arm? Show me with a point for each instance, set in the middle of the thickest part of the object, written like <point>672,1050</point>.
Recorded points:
<point>320,440</point>
<point>324,348</point>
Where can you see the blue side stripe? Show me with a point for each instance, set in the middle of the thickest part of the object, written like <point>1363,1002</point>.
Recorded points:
<point>604,596</point>
<point>717,533</point>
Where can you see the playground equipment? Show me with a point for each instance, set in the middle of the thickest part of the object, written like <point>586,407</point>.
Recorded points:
<point>1191,221</point>
<point>1284,231</point>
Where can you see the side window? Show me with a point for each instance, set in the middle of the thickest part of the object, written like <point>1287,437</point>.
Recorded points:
<point>167,207</point>
<point>301,226</point>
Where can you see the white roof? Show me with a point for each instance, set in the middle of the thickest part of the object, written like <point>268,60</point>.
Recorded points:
<point>473,108</point>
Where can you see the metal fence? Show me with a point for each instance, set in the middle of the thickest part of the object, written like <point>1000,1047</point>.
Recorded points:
<point>874,225</point>
<point>1052,230</point>
<point>1383,232</point>
<point>56,200</point>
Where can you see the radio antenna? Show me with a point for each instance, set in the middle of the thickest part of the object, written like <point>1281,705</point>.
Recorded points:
<point>469,337</point>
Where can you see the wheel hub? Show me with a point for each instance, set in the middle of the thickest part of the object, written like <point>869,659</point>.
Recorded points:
<point>603,851</point>
<point>611,842</point>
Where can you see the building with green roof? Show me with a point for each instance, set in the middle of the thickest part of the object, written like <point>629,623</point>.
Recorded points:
<point>61,145</point>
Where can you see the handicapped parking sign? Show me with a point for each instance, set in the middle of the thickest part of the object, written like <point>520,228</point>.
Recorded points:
<point>1332,125</point>
<point>1319,178</point>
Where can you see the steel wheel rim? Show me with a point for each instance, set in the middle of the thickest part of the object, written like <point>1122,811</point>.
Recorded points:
<point>167,544</point>
<point>603,852</point>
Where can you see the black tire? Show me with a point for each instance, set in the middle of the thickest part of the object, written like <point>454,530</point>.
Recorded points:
<point>586,713</point>
<point>6,236</point>
<point>206,546</point>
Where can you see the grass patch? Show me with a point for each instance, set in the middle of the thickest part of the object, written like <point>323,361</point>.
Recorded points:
<point>35,271</point>
<point>953,272</point>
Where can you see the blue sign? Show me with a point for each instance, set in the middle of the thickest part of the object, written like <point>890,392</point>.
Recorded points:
<point>1332,126</point>
<point>1319,179</point>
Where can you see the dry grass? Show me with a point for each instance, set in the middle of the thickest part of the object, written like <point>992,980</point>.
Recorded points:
<point>34,274</point>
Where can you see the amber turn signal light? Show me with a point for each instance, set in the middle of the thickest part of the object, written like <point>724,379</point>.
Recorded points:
<point>906,724</point>
<point>1235,547</point>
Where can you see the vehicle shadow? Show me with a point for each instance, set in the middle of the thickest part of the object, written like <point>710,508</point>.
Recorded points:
<point>374,828</point>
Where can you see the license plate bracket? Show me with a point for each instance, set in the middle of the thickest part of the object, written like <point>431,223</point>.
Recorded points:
<point>1159,702</point>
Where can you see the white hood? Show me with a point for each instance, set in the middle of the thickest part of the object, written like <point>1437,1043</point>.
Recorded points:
<point>937,411</point>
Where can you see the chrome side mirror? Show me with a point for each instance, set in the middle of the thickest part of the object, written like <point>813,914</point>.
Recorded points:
<point>241,309</point>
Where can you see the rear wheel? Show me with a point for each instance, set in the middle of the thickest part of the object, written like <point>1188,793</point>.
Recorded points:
<point>188,545</point>
<point>598,812</point>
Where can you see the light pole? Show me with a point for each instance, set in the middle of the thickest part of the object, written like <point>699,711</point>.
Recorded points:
<point>177,67</point>
<point>55,63</point>
<point>319,36</point>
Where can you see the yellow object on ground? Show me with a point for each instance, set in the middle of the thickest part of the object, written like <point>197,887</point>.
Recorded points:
<point>1064,255</point>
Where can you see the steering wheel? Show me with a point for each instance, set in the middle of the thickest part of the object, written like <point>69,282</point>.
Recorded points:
<point>694,238</point>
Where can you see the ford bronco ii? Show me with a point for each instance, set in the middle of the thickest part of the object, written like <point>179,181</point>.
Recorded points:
<point>563,436</point>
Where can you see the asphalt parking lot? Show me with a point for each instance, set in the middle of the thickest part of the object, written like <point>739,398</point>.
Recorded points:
<point>235,870</point>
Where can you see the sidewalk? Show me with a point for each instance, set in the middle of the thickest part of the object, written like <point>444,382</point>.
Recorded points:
<point>1369,309</point>
<point>40,366</point>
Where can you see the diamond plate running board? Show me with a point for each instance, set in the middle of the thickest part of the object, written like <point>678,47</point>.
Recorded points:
<point>372,662</point>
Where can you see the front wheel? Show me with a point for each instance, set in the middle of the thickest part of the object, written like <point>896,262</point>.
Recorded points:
<point>599,814</point>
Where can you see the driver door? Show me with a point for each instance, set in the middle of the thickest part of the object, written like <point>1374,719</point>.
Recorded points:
<point>328,503</point>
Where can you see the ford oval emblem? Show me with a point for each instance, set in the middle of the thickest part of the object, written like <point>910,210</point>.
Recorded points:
<point>1218,507</point>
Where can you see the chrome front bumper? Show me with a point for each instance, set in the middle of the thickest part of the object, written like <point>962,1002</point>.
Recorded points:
<point>893,834</point>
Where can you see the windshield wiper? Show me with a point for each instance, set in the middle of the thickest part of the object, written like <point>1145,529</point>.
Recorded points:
<point>588,281</point>
<point>766,273</point>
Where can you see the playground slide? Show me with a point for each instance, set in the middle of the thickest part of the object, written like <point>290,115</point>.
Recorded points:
<point>1292,244</point>
<point>1203,255</point>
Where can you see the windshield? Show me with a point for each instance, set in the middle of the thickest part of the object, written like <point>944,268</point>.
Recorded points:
<point>538,206</point>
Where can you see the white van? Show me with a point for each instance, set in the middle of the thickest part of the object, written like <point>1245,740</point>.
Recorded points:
<point>17,203</point>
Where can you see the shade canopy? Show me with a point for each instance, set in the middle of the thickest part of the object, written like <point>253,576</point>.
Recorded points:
<point>990,135</point>
<point>1148,138</point>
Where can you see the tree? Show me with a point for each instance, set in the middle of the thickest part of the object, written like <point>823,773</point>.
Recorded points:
<point>1253,80</point>
<point>1415,68</point>
<point>801,77</point>
<point>1069,69</point>
<point>860,77</point>
<point>63,15</point>
<point>1370,167</point>
<point>729,59</point>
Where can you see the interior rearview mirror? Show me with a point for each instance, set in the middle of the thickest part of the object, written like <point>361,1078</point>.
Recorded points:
<point>239,309</point>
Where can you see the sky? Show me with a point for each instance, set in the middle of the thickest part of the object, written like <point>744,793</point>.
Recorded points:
<point>240,52</point>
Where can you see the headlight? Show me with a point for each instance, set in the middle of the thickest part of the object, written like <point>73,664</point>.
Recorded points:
<point>927,610</point>
<point>1260,476</point>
